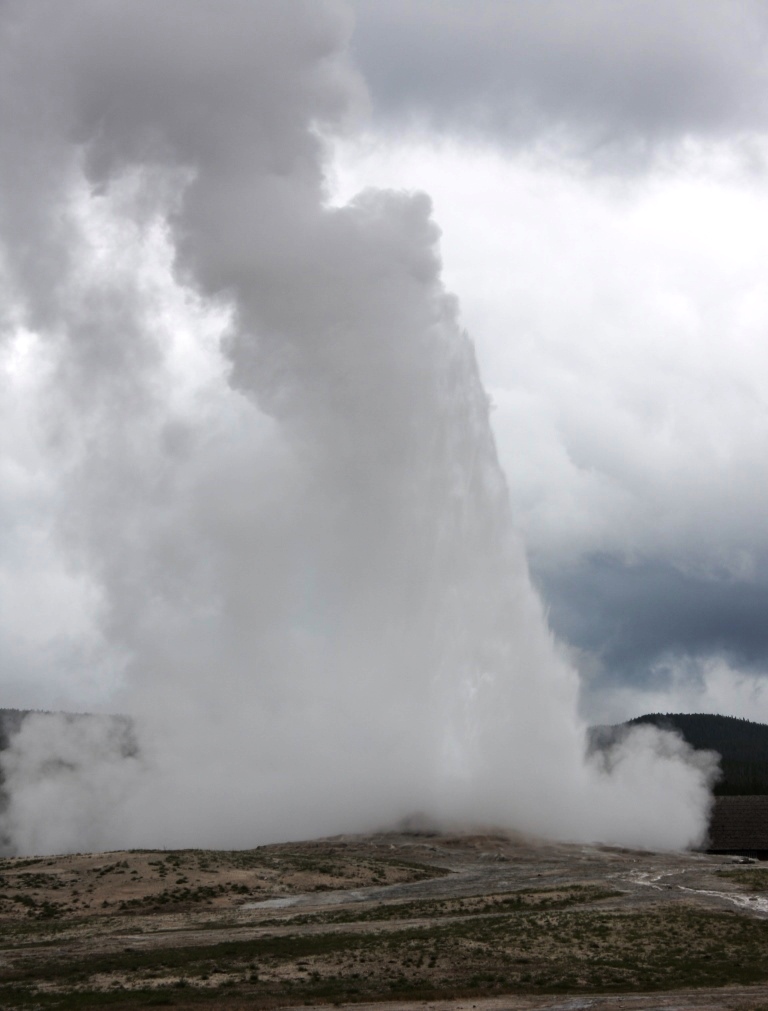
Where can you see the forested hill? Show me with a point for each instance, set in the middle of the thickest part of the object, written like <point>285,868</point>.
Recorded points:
<point>120,726</point>
<point>10,721</point>
<point>741,744</point>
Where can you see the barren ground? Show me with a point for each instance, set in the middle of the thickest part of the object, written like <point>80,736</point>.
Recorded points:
<point>394,921</point>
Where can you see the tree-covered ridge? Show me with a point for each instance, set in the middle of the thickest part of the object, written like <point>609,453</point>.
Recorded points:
<point>120,728</point>
<point>10,722</point>
<point>742,745</point>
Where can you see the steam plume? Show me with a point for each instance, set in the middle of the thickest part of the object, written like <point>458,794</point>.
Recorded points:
<point>269,467</point>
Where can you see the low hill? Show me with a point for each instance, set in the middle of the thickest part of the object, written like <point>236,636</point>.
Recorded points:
<point>741,744</point>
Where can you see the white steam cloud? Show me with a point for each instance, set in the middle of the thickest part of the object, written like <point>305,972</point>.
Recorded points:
<point>252,448</point>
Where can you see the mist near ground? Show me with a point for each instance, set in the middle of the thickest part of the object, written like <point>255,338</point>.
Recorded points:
<point>251,479</point>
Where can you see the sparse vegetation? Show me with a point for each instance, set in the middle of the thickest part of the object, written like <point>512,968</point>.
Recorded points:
<point>751,879</point>
<point>169,929</point>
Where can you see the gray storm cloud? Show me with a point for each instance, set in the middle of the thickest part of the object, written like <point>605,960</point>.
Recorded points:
<point>607,79</point>
<point>247,428</point>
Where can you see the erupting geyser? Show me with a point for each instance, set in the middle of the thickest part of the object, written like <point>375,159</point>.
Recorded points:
<point>269,464</point>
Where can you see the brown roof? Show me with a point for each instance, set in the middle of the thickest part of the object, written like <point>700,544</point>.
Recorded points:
<point>739,825</point>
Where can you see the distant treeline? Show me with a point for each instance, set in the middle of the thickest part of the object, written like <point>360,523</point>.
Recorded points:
<point>10,722</point>
<point>120,726</point>
<point>741,744</point>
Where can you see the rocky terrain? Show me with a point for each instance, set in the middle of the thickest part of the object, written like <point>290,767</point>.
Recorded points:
<point>484,921</point>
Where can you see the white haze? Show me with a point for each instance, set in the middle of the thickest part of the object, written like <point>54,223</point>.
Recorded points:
<point>248,470</point>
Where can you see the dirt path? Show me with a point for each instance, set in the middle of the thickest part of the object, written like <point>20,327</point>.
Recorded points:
<point>721,999</point>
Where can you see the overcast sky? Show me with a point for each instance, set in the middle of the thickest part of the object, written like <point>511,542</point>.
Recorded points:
<point>598,171</point>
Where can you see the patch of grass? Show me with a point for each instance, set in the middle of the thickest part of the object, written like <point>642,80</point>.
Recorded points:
<point>14,863</point>
<point>421,872</point>
<point>751,879</point>
<point>522,900</point>
<point>531,950</point>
